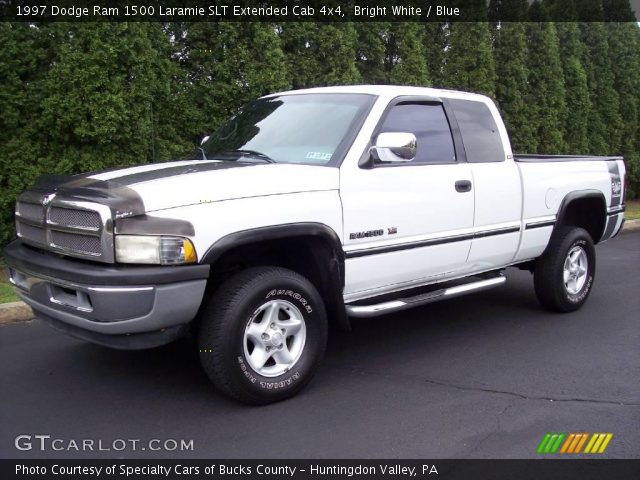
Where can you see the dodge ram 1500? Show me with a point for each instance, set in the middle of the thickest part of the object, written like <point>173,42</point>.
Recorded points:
<point>304,209</point>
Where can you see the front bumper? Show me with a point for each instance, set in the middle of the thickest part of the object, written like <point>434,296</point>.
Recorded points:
<point>128,307</point>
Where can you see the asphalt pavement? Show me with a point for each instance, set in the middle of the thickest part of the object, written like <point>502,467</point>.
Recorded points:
<point>482,376</point>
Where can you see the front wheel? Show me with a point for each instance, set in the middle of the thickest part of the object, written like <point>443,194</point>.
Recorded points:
<point>262,335</point>
<point>564,275</point>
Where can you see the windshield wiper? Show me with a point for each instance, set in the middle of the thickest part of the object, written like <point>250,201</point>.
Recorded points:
<point>250,153</point>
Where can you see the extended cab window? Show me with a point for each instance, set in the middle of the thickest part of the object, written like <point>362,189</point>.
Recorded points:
<point>482,142</point>
<point>429,124</point>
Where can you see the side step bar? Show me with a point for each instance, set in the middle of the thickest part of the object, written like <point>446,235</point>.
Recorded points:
<point>364,311</point>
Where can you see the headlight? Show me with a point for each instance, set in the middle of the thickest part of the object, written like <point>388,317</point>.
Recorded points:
<point>154,249</point>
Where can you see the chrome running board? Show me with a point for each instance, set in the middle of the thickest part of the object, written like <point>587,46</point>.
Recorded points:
<point>364,311</point>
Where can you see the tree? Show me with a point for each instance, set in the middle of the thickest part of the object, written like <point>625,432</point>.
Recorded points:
<point>511,85</point>
<point>510,52</point>
<point>605,124</point>
<point>320,54</point>
<point>618,11</point>
<point>226,65</point>
<point>507,11</point>
<point>392,53</point>
<point>25,58</point>
<point>562,10</point>
<point>546,94</point>
<point>590,10</point>
<point>624,45</point>
<point>435,39</point>
<point>406,61</point>
<point>540,11</point>
<point>576,88</point>
<point>116,77</point>
<point>371,51</point>
<point>469,63</point>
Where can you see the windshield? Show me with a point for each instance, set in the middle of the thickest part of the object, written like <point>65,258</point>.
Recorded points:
<point>304,128</point>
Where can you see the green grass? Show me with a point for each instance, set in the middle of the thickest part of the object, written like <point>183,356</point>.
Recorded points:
<point>6,289</point>
<point>6,292</point>
<point>632,210</point>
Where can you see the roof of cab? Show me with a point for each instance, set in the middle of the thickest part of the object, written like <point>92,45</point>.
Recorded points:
<point>387,91</point>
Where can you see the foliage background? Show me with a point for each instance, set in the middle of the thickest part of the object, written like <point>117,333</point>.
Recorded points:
<point>85,96</point>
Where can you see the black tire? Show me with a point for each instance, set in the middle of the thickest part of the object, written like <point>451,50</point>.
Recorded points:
<point>548,276</point>
<point>221,336</point>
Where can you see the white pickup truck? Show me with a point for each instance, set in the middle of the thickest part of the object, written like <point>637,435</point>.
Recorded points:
<point>305,209</point>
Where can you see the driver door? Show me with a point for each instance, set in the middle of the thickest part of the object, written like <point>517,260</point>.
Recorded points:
<point>408,223</point>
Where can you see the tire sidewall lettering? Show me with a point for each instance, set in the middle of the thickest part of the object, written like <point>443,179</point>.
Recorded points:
<point>291,294</point>
<point>252,377</point>
<point>247,371</point>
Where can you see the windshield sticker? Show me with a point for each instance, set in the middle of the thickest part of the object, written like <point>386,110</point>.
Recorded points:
<point>318,156</point>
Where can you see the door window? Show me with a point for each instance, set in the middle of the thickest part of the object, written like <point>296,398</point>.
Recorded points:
<point>429,124</point>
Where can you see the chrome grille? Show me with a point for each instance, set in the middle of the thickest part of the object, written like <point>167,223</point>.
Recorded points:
<point>75,218</point>
<point>77,242</point>
<point>31,211</point>
<point>34,234</point>
<point>74,228</point>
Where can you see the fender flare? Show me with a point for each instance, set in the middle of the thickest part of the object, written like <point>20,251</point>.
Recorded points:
<point>272,232</point>
<point>292,230</point>
<point>580,195</point>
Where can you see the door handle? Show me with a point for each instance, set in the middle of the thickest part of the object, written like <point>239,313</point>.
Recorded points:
<point>463,186</point>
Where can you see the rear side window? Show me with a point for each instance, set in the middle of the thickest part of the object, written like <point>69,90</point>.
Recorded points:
<point>430,126</point>
<point>482,142</point>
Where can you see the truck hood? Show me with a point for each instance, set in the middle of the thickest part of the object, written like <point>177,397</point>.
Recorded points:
<point>147,188</point>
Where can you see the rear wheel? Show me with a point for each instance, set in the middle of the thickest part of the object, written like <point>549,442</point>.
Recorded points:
<point>564,275</point>
<point>262,335</point>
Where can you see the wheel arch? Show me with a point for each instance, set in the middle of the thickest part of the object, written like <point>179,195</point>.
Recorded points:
<point>312,249</point>
<point>585,209</point>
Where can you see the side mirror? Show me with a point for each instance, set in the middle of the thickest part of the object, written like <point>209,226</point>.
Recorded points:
<point>204,140</point>
<point>395,147</point>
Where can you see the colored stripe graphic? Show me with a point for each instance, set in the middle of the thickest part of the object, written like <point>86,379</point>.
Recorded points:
<point>591,442</point>
<point>551,442</point>
<point>572,443</point>
<point>598,442</point>
<point>581,443</point>
<point>596,446</point>
<point>556,445</point>
<point>577,443</point>
<point>567,443</point>
<point>605,443</point>
<point>543,443</point>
